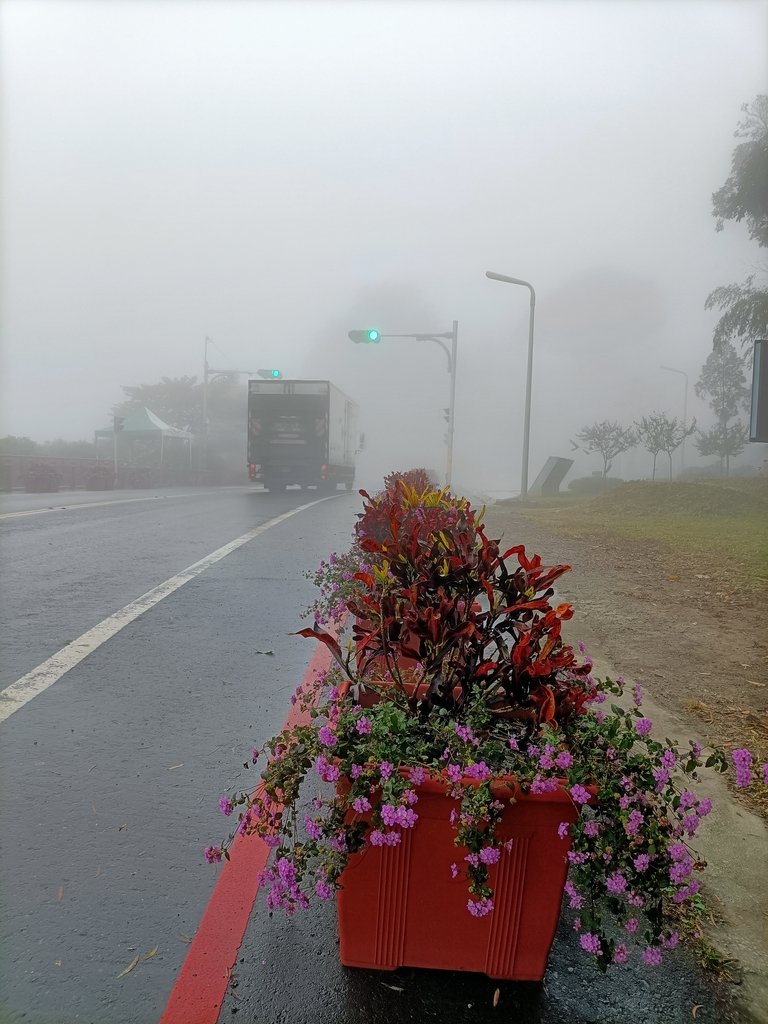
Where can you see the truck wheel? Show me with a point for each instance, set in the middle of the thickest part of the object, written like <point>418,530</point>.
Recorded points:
<point>349,484</point>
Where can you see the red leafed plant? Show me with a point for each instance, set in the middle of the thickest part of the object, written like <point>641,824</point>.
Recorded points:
<point>439,593</point>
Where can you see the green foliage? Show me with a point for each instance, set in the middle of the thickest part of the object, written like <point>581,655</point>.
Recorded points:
<point>744,312</point>
<point>608,438</point>
<point>658,433</point>
<point>594,484</point>
<point>744,196</point>
<point>724,440</point>
<point>723,382</point>
<point>11,445</point>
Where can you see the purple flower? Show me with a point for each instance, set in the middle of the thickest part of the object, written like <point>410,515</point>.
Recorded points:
<point>326,737</point>
<point>454,870</point>
<point>406,817</point>
<point>563,829</point>
<point>579,794</point>
<point>687,799</point>
<point>616,883</point>
<point>590,943</point>
<point>742,759</point>
<point>489,855</point>
<point>636,819</point>
<point>226,806</point>
<point>652,956</point>
<point>765,774</point>
<point>363,726</point>
<point>677,851</point>
<point>620,954</point>
<point>479,771</point>
<point>417,775</point>
<point>323,890</point>
<point>643,726</point>
<point>453,772</point>
<point>464,732</point>
<point>213,854</point>
<point>642,862</point>
<point>385,769</point>
<point>361,804</point>
<point>671,941</point>
<point>312,828</point>
<point>564,759</point>
<point>637,694</point>
<point>481,907</point>
<point>668,759</point>
<point>356,771</point>
<point>632,924</point>
<point>591,829</point>
<point>388,814</point>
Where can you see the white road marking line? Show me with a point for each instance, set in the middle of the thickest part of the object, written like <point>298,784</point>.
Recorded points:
<point>19,693</point>
<point>94,504</point>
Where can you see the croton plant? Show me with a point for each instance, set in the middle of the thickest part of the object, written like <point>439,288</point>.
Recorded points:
<point>456,672</point>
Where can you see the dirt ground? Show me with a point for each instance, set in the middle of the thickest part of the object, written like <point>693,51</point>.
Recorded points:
<point>663,620</point>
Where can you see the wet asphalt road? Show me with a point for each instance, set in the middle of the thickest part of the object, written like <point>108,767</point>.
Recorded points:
<point>110,780</point>
<point>111,777</point>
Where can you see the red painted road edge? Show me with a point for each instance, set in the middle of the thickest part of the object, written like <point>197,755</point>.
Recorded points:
<point>202,982</point>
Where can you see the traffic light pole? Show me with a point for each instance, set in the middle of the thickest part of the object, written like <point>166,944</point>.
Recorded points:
<point>453,336</point>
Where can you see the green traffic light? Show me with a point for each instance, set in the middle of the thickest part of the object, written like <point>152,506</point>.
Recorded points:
<point>275,373</point>
<point>373,335</point>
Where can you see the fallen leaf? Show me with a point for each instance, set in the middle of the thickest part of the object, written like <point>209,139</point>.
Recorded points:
<point>151,953</point>
<point>270,654</point>
<point>60,894</point>
<point>130,967</point>
<point>176,766</point>
<point>496,997</point>
<point>393,987</point>
<point>185,938</point>
<point>98,871</point>
<point>90,769</point>
<point>124,825</point>
<point>57,963</point>
<point>672,578</point>
<point>93,808</point>
<point>695,1009</point>
<point>752,682</point>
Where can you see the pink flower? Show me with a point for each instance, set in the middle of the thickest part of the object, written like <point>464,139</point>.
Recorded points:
<point>643,726</point>
<point>590,943</point>
<point>363,726</point>
<point>652,956</point>
<point>489,855</point>
<point>631,925</point>
<point>454,870</point>
<point>564,759</point>
<point>620,954</point>
<point>563,829</point>
<point>361,804</point>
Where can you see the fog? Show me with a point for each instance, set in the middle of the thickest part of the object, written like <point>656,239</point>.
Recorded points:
<point>274,174</point>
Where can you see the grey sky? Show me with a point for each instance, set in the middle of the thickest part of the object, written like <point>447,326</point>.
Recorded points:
<point>263,171</point>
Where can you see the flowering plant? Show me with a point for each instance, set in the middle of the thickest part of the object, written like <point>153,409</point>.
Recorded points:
<point>458,676</point>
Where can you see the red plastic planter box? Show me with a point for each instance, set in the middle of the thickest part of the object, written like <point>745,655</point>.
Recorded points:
<point>400,907</point>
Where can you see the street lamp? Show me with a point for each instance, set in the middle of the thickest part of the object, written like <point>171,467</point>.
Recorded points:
<point>375,336</point>
<point>528,377</point>
<point>685,413</point>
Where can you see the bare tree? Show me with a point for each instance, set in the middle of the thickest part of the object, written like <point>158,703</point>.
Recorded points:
<point>726,441</point>
<point>608,438</point>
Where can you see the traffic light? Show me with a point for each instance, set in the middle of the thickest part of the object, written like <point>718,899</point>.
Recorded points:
<point>371,336</point>
<point>447,414</point>
<point>270,374</point>
<point>118,424</point>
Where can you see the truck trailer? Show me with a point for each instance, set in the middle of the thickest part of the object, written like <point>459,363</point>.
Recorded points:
<point>301,432</point>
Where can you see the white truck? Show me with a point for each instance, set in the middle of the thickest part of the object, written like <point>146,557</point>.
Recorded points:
<point>301,432</point>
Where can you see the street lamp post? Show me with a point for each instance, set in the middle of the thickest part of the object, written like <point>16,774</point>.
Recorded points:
<point>685,414</point>
<point>528,376</point>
